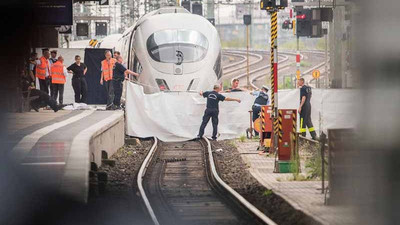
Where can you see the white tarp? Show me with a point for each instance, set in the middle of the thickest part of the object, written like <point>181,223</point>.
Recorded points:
<point>177,116</point>
<point>78,106</point>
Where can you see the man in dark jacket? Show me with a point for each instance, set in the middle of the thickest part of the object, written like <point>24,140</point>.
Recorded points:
<point>120,73</point>
<point>212,110</point>
<point>305,109</point>
<point>42,100</point>
<point>261,99</point>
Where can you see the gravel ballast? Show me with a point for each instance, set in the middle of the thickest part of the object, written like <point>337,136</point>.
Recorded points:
<point>234,172</point>
<point>120,203</point>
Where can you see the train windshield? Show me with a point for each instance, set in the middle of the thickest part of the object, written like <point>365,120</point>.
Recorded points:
<point>177,46</point>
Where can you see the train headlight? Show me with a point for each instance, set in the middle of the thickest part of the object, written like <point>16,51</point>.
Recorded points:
<point>162,85</point>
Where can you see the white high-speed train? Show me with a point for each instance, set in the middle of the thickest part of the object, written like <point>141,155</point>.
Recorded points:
<point>172,50</point>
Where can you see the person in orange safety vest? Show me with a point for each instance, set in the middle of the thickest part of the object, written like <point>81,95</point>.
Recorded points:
<point>107,67</point>
<point>43,70</point>
<point>58,74</point>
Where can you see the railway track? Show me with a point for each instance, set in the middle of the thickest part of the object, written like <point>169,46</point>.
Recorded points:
<point>180,185</point>
<point>241,65</point>
<point>238,62</point>
<point>258,67</point>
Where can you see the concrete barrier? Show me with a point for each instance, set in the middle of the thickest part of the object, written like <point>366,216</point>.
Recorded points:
<point>109,138</point>
<point>106,135</point>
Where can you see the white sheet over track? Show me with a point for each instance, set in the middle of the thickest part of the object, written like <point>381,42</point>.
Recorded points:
<point>177,116</point>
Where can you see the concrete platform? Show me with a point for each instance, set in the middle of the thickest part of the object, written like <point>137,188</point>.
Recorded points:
<point>57,149</point>
<point>302,195</point>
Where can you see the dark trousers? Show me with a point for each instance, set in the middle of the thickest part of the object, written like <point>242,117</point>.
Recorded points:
<point>80,89</point>
<point>213,114</point>
<point>117,85</point>
<point>44,85</point>
<point>57,89</point>
<point>110,92</point>
<point>305,121</point>
<point>43,100</point>
<point>256,115</point>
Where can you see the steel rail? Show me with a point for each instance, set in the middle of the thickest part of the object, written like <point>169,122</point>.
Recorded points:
<point>141,174</point>
<point>240,198</point>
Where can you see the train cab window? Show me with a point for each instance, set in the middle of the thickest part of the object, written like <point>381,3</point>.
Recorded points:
<point>217,66</point>
<point>137,67</point>
<point>177,46</point>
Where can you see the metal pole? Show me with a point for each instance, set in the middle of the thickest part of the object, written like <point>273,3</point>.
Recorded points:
<point>326,57</point>
<point>251,29</point>
<point>323,140</point>
<point>248,74</point>
<point>274,75</point>
<point>210,9</point>
<point>219,21</point>
<point>298,73</point>
<point>251,124</point>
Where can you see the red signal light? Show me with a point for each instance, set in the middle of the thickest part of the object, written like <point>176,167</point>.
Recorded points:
<point>302,16</point>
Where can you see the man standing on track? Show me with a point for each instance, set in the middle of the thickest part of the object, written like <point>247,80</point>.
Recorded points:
<point>107,66</point>
<point>212,110</point>
<point>305,109</point>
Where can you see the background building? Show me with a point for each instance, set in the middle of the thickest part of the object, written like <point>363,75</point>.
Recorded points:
<point>97,19</point>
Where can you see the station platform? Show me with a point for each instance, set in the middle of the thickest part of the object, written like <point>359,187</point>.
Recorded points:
<point>56,150</point>
<point>305,196</point>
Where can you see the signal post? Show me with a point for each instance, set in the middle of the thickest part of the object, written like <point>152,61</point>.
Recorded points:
<point>273,6</point>
<point>247,22</point>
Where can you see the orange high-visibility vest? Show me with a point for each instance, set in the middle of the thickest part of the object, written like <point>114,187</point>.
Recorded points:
<point>107,68</point>
<point>57,73</point>
<point>41,69</point>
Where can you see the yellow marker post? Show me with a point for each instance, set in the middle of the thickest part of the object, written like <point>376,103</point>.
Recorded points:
<point>316,74</point>
<point>294,27</point>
